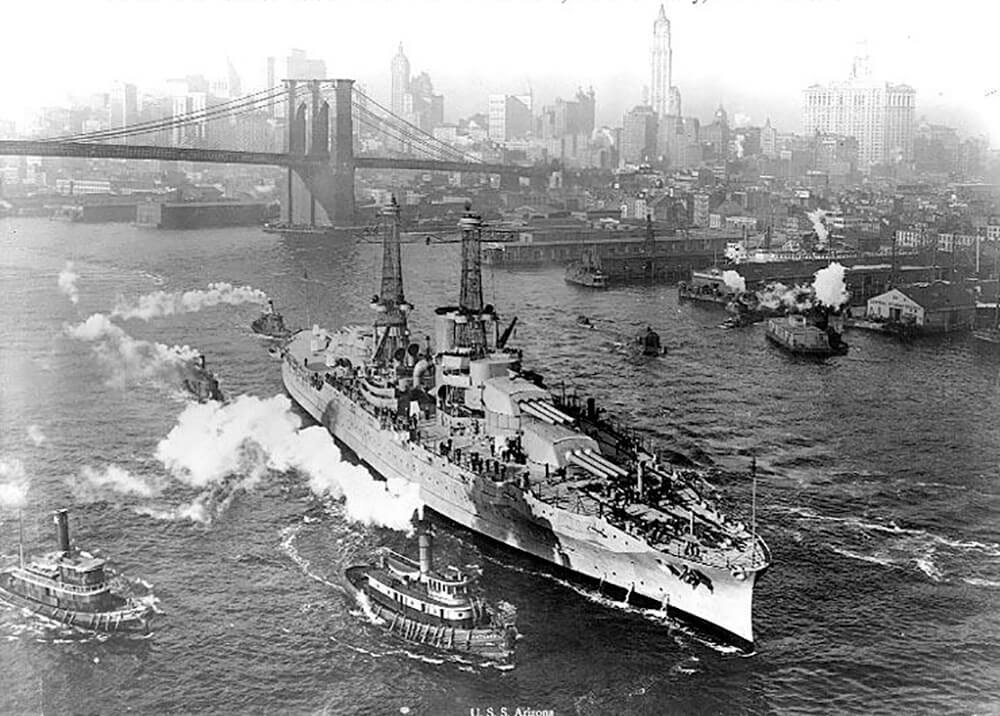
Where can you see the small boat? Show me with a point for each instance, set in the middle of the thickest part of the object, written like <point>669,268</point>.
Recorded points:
<point>201,383</point>
<point>649,342</point>
<point>72,587</point>
<point>708,285</point>
<point>795,334</point>
<point>436,608</point>
<point>270,323</point>
<point>587,271</point>
<point>584,321</point>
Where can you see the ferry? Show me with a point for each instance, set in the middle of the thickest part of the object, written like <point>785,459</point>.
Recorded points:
<point>795,334</point>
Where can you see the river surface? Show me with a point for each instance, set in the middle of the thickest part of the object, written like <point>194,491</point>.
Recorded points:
<point>878,494</point>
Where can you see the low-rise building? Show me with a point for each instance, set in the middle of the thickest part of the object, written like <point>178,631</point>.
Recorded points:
<point>940,306</point>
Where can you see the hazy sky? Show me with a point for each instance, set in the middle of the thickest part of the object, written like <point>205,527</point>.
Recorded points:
<point>755,56</point>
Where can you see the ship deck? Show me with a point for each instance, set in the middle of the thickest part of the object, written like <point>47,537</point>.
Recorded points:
<point>671,518</point>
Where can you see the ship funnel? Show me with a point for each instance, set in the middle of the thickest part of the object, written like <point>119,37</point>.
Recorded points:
<point>426,542</point>
<point>62,530</point>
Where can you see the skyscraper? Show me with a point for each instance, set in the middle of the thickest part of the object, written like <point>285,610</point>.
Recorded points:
<point>123,106</point>
<point>400,82</point>
<point>662,65</point>
<point>878,114</point>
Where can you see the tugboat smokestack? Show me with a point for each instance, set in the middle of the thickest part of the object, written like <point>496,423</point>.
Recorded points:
<point>62,530</point>
<point>425,541</point>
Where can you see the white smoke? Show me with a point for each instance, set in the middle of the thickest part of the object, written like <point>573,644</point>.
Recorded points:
<point>734,281</point>
<point>222,448</point>
<point>67,282</point>
<point>13,483</point>
<point>114,479</point>
<point>162,303</point>
<point>130,359</point>
<point>796,299</point>
<point>829,286</point>
<point>817,217</point>
<point>36,435</point>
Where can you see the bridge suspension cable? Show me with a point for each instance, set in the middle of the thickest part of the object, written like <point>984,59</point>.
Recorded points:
<point>242,105</point>
<point>415,131</point>
<point>378,124</point>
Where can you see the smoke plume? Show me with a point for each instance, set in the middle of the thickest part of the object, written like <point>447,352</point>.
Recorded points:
<point>112,479</point>
<point>734,281</point>
<point>130,359</point>
<point>162,303</point>
<point>67,282</point>
<point>817,217</point>
<point>13,483</point>
<point>222,448</point>
<point>829,286</point>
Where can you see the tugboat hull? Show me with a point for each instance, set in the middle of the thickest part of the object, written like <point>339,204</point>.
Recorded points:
<point>131,619</point>
<point>488,642</point>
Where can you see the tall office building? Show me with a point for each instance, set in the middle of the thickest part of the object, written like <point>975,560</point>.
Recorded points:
<point>509,116</point>
<point>665,97</point>
<point>638,135</point>
<point>123,105</point>
<point>400,82</point>
<point>878,114</point>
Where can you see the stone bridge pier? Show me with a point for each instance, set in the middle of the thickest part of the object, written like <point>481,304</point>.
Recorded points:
<point>320,185</point>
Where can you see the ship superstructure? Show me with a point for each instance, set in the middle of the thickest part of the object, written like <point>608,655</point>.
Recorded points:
<point>496,452</point>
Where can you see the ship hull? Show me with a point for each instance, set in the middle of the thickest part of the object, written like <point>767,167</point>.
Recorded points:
<point>583,545</point>
<point>411,625</point>
<point>126,620</point>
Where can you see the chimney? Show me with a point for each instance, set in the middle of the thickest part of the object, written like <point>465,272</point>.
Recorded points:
<point>426,556</point>
<point>62,530</point>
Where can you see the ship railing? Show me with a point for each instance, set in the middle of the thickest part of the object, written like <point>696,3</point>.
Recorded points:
<point>87,590</point>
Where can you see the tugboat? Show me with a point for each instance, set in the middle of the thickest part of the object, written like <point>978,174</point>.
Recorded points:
<point>270,323</point>
<point>650,342</point>
<point>587,271</point>
<point>435,608</point>
<point>795,334</point>
<point>72,587</point>
<point>201,383</point>
<point>709,286</point>
<point>493,450</point>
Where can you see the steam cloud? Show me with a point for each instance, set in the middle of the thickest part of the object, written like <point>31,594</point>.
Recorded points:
<point>131,359</point>
<point>734,281</point>
<point>162,303</point>
<point>816,217</point>
<point>829,286</point>
<point>828,289</point>
<point>67,282</point>
<point>221,448</point>
<point>36,435</point>
<point>113,478</point>
<point>13,483</point>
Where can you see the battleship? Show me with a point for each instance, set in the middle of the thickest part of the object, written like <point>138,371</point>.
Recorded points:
<point>496,452</point>
<point>71,586</point>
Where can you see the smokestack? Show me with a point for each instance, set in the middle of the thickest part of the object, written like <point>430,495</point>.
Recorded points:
<point>425,541</point>
<point>591,408</point>
<point>62,530</point>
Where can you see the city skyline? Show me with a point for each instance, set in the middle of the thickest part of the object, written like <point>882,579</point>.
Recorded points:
<point>721,51</point>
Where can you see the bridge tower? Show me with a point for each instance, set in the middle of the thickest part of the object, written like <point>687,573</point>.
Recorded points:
<point>319,192</point>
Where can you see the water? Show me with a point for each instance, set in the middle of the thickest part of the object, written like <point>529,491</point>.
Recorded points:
<point>877,494</point>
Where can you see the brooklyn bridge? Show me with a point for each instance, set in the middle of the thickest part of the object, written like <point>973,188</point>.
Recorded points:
<point>320,151</point>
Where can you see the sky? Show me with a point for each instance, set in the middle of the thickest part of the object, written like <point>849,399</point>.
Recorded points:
<point>753,56</point>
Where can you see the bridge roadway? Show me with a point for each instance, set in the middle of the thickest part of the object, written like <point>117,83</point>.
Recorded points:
<point>35,148</point>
